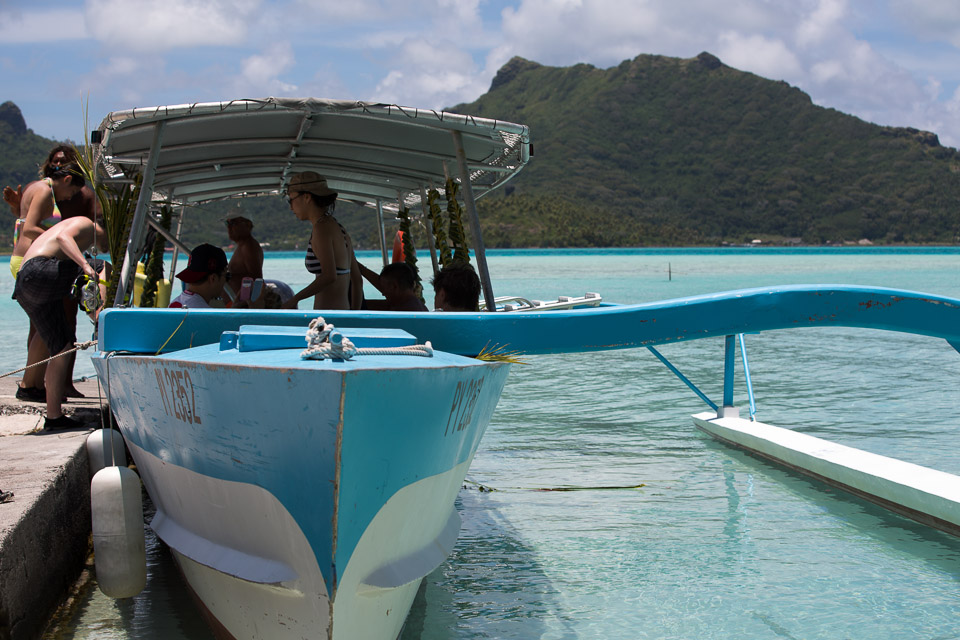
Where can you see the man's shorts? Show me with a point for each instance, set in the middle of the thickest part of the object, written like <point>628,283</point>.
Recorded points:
<point>41,286</point>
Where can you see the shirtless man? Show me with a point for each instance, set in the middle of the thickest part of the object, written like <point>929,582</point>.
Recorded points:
<point>247,258</point>
<point>50,267</point>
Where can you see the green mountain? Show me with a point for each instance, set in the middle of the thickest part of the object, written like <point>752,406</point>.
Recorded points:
<point>21,150</point>
<point>666,151</point>
<point>655,151</point>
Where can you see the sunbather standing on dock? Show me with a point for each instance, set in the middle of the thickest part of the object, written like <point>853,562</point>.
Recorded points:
<point>49,269</point>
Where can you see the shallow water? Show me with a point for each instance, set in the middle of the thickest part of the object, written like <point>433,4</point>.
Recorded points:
<point>716,543</point>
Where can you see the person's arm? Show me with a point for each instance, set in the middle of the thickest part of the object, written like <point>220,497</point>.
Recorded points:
<point>13,199</point>
<point>356,284</point>
<point>68,245</point>
<point>371,276</point>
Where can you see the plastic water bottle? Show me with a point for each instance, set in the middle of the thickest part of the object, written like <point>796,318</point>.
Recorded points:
<point>245,288</point>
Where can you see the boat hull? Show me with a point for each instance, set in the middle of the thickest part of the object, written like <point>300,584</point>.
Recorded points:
<point>303,499</point>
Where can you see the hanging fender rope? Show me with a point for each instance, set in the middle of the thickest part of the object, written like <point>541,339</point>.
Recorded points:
<point>77,346</point>
<point>324,341</point>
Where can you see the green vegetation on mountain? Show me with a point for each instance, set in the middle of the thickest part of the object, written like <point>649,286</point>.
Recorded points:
<point>655,151</point>
<point>664,151</point>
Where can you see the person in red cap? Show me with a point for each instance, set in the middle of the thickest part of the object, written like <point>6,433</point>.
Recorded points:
<point>205,275</point>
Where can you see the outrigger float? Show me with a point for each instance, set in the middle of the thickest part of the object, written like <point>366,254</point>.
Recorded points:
<point>294,503</point>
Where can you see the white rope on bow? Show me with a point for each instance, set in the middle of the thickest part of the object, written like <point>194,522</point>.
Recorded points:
<point>324,341</point>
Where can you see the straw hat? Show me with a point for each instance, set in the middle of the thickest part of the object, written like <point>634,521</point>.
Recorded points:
<point>310,182</point>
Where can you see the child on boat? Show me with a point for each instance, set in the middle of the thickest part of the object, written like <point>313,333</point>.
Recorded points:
<point>205,276</point>
<point>456,288</point>
<point>398,284</point>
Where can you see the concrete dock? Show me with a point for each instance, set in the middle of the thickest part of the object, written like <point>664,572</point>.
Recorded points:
<point>45,528</point>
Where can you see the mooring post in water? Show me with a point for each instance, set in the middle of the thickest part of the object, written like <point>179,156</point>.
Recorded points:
<point>669,272</point>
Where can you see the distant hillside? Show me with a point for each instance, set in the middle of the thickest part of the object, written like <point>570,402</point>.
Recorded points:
<point>668,151</point>
<point>656,151</point>
<point>21,150</point>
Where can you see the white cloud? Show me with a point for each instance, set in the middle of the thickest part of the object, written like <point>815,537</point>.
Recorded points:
<point>260,73</point>
<point>933,20</point>
<point>430,75</point>
<point>41,26</point>
<point>149,25</point>
<point>768,57</point>
<point>822,23</point>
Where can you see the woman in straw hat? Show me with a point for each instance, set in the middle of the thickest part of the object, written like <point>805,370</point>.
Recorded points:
<point>330,251</point>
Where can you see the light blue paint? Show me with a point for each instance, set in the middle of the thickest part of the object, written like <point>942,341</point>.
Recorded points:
<point>595,329</point>
<point>271,419</point>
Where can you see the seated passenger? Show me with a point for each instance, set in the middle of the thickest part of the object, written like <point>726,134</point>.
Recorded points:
<point>456,288</point>
<point>205,275</point>
<point>247,258</point>
<point>398,284</point>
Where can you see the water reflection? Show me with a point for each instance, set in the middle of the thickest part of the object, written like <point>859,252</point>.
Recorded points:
<point>163,610</point>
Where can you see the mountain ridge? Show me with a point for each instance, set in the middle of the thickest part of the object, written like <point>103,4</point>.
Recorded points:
<point>657,151</point>
<point>696,152</point>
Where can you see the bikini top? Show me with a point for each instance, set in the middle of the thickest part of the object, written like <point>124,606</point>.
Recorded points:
<point>313,265</point>
<point>53,219</point>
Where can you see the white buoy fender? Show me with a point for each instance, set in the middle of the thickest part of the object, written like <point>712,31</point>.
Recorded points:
<point>105,448</point>
<point>119,548</point>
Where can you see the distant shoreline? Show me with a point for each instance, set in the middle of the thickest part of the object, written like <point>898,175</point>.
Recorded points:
<point>704,249</point>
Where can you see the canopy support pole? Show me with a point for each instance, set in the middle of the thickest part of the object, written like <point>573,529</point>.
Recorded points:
<point>471,205</point>
<point>383,238</point>
<point>176,249</point>
<point>138,229</point>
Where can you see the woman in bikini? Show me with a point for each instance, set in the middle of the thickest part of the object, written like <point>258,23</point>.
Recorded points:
<point>337,283</point>
<point>39,204</point>
<point>84,203</point>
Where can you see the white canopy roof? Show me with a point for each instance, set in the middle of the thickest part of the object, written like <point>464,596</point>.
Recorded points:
<point>367,152</point>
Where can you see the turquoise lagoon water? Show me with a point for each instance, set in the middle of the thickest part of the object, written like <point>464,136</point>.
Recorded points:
<point>716,543</point>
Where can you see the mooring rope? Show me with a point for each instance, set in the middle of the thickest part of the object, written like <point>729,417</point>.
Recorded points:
<point>77,346</point>
<point>324,341</point>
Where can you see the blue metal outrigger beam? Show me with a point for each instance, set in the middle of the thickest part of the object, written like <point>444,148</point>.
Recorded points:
<point>728,374</point>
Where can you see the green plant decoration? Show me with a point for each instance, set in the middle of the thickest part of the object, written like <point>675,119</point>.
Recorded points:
<point>154,268</point>
<point>458,238</point>
<point>436,221</point>
<point>117,205</point>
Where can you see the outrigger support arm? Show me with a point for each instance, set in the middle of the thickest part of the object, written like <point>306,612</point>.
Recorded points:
<point>471,204</point>
<point>138,229</point>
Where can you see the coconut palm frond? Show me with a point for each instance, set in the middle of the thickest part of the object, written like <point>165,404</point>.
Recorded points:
<point>498,353</point>
<point>117,204</point>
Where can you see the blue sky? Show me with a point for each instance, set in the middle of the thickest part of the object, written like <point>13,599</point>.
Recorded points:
<point>892,62</point>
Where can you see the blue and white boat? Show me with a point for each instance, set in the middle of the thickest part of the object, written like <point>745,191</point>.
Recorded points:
<point>296,497</point>
<point>302,498</point>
